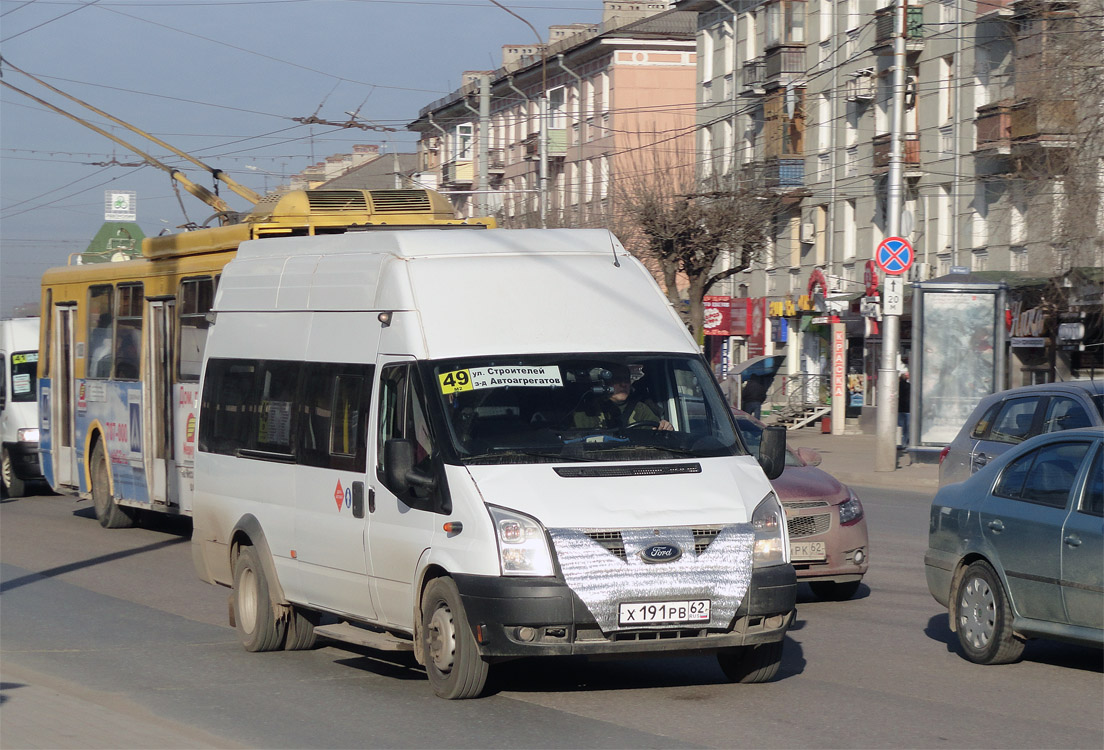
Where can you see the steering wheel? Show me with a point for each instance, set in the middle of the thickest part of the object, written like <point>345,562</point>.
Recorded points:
<point>644,423</point>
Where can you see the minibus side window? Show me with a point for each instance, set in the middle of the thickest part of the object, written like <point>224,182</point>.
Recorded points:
<point>403,415</point>
<point>334,416</point>
<point>128,331</point>
<point>226,419</point>
<point>100,332</point>
<point>279,382</point>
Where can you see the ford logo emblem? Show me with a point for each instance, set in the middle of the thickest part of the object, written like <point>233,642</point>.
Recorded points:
<point>659,553</point>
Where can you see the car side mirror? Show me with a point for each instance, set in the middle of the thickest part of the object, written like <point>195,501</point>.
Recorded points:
<point>398,454</point>
<point>772,451</point>
<point>809,456</point>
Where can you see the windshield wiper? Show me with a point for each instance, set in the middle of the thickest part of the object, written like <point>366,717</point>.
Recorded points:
<point>529,454</point>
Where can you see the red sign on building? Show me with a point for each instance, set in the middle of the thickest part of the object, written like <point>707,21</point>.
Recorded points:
<point>739,316</point>
<point>760,328</point>
<point>716,315</point>
<point>839,361</point>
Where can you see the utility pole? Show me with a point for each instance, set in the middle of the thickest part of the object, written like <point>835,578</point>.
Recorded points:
<point>885,455</point>
<point>482,182</point>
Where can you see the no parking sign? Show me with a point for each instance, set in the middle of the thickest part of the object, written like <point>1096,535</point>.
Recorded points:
<point>894,255</point>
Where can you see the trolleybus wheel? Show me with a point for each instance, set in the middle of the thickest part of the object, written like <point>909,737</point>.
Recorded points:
<point>110,514</point>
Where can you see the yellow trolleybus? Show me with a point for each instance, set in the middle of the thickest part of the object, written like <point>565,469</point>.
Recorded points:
<point>122,344</point>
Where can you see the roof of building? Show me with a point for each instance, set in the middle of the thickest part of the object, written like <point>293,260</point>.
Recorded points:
<point>378,174</point>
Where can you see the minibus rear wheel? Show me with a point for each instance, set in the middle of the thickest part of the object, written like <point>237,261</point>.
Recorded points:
<point>452,660</point>
<point>110,514</point>
<point>751,664</point>
<point>254,618</point>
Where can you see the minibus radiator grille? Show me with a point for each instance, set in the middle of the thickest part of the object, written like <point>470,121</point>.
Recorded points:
<point>611,540</point>
<point>605,567</point>
<point>648,470</point>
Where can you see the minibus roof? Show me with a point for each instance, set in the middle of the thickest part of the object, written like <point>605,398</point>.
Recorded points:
<point>475,291</point>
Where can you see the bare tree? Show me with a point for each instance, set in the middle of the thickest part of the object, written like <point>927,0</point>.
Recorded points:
<point>693,233</point>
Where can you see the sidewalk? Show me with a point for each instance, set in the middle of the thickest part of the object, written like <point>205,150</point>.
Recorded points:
<point>850,458</point>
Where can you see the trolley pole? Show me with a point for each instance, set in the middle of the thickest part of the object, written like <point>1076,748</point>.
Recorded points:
<point>885,456</point>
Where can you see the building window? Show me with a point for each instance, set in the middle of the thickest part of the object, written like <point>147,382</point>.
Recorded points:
<point>462,141</point>
<point>785,22</point>
<point>946,88</point>
<point>852,169</point>
<point>945,218</point>
<point>850,239</point>
<point>946,141</point>
<point>1018,259</point>
<point>979,261</point>
<point>944,260</point>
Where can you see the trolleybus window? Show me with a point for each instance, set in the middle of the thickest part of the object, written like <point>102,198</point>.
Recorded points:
<point>128,331</point>
<point>100,328</point>
<point>195,301</point>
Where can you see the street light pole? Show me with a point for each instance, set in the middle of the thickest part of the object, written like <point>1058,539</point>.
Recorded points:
<point>885,454</point>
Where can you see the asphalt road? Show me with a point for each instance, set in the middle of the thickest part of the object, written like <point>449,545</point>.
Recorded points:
<point>119,618</point>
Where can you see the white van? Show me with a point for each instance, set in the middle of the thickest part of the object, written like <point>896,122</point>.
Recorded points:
<point>479,445</point>
<point>19,404</point>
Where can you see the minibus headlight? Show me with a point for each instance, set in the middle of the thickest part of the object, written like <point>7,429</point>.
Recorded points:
<point>28,435</point>
<point>522,544</point>
<point>769,524</point>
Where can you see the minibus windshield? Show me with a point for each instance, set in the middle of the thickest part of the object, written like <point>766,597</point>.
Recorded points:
<point>608,407</point>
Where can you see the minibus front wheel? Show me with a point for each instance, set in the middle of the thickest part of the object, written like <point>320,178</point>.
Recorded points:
<point>452,660</point>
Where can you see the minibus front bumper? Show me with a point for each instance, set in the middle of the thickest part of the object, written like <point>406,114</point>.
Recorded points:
<point>24,459</point>
<point>516,617</point>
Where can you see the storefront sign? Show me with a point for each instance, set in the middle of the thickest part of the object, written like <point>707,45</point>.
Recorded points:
<point>716,318</point>
<point>1028,342</point>
<point>839,361</point>
<point>1027,323</point>
<point>782,308</point>
<point>760,330</point>
<point>739,316</point>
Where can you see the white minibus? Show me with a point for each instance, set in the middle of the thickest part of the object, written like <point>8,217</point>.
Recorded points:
<point>19,404</point>
<point>479,445</point>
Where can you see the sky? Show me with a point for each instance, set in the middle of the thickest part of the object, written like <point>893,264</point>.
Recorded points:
<point>220,80</point>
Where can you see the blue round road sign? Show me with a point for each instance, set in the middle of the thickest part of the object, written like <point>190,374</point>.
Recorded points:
<point>894,255</point>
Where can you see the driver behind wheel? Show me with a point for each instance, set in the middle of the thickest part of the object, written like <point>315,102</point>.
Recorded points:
<point>621,408</point>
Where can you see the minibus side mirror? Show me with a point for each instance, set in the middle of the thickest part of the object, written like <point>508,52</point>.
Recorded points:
<point>772,451</point>
<point>401,474</point>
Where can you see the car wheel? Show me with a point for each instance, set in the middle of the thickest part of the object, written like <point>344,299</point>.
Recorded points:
<point>452,660</point>
<point>751,664</point>
<point>983,619</point>
<point>110,514</point>
<point>13,485</point>
<point>830,591</point>
<point>257,626</point>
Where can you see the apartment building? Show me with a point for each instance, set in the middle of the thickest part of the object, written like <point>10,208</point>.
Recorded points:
<point>611,93</point>
<point>1000,140</point>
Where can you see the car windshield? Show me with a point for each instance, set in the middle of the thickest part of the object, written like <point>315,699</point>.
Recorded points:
<point>753,434</point>
<point>543,408</point>
<point>1098,400</point>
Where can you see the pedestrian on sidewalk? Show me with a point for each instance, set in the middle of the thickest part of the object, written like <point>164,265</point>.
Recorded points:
<point>904,396</point>
<point>753,395</point>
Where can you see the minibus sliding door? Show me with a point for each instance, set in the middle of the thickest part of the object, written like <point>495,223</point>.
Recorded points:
<point>63,416</point>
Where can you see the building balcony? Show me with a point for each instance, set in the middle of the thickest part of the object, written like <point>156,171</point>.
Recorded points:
<point>557,144</point>
<point>457,172</point>
<point>751,76</point>
<point>785,172</point>
<point>1043,122</point>
<point>783,65</point>
<point>911,163</point>
<point>994,129</point>
<point>884,32</point>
